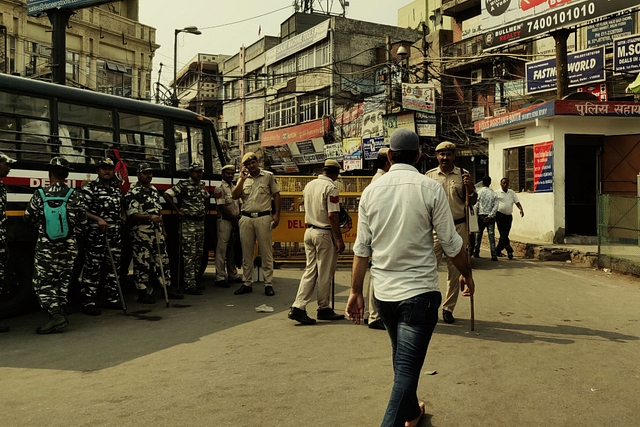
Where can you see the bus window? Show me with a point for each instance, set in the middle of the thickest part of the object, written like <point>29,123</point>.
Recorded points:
<point>216,161</point>
<point>197,146</point>
<point>155,151</point>
<point>23,105</point>
<point>142,139</point>
<point>97,144</point>
<point>72,143</point>
<point>181,137</point>
<point>84,115</point>
<point>8,135</point>
<point>36,142</point>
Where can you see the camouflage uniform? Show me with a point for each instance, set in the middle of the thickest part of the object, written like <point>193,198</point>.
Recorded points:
<point>143,235</point>
<point>54,259</point>
<point>105,202</point>
<point>192,200</point>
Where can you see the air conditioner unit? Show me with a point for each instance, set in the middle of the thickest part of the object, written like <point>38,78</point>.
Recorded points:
<point>476,76</point>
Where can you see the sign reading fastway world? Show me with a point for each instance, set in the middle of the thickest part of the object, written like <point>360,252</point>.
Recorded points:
<point>36,7</point>
<point>585,67</point>
<point>511,21</point>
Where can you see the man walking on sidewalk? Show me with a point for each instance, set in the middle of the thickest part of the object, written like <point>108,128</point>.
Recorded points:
<point>487,208</point>
<point>457,184</point>
<point>504,218</point>
<point>396,219</point>
<point>322,244</point>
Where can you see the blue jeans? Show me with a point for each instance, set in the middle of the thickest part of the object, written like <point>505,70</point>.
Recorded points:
<point>409,324</point>
<point>491,230</point>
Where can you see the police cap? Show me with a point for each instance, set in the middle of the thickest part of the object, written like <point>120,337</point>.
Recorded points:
<point>249,155</point>
<point>446,146</point>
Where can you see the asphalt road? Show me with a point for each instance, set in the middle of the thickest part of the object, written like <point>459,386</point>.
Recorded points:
<point>554,345</point>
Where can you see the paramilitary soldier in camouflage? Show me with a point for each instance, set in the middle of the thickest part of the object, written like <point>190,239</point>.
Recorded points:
<point>144,209</point>
<point>105,214</point>
<point>5,167</point>
<point>193,199</point>
<point>56,247</point>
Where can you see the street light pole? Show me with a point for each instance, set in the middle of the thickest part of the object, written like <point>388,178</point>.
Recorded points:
<point>190,30</point>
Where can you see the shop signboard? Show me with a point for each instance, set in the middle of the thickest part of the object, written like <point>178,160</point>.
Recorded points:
<point>543,167</point>
<point>36,7</point>
<point>371,146</point>
<point>626,54</point>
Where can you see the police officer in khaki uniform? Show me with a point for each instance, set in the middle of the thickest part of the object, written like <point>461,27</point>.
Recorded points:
<point>457,183</point>
<point>256,188</point>
<point>322,244</point>
<point>228,219</point>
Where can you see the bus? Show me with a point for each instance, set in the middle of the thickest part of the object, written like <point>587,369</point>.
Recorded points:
<point>40,120</point>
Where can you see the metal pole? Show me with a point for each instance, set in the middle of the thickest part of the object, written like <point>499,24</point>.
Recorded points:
<point>159,260</point>
<point>59,19</point>
<point>174,98</point>
<point>466,211</point>
<point>562,69</point>
<point>115,271</point>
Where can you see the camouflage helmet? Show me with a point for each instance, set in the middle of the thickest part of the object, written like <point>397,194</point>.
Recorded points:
<point>59,162</point>
<point>107,161</point>
<point>196,167</point>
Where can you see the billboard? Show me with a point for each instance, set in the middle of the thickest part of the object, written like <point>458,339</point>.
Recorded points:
<point>511,21</point>
<point>36,7</point>
<point>585,67</point>
<point>419,97</point>
<point>626,54</point>
<point>603,33</point>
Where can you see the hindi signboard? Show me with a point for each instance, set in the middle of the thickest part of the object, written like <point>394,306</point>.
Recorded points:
<point>543,167</point>
<point>36,7</point>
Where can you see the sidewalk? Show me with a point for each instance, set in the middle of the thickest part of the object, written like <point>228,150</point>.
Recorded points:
<point>578,254</point>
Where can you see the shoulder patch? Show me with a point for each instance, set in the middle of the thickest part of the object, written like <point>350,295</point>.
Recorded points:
<point>334,199</point>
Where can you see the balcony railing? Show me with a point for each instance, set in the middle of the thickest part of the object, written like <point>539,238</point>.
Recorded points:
<point>465,48</point>
<point>454,7</point>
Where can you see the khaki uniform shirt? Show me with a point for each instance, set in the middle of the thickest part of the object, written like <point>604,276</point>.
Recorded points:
<point>320,198</point>
<point>453,188</point>
<point>222,193</point>
<point>257,192</point>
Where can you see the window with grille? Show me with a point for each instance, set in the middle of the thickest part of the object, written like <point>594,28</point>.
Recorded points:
<point>518,168</point>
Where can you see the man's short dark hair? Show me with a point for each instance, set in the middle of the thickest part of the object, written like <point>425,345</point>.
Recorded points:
<point>486,181</point>
<point>331,170</point>
<point>407,157</point>
<point>382,160</point>
<point>59,173</point>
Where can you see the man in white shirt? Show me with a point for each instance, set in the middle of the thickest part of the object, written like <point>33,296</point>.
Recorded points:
<point>396,219</point>
<point>487,207</point>
<point>504,218</point>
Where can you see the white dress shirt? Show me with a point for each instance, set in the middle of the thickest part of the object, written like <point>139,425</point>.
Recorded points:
<point>396,219</point>
<point>506,201</point>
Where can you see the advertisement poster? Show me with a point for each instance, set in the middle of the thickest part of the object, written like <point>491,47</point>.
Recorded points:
<point>603,33</point>
<point>419,97</point>
<point>392,122</point>
<point>512,21</point>
<point>371,146</point>
<point>585,67</point>
<point>626,54</point>
<point>425,124</point>
<point>333,151</point>
<point>352,152</point>
<point>543,167</point>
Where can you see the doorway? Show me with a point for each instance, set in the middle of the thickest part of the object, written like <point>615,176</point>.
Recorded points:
<point>582,184</point>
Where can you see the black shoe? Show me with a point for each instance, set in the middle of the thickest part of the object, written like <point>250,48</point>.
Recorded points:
<point>447,316</point>
<point>329,314</point>
<point>222,284</point>
<point>145,298</point>
<point>91,310</point>
<point>201,286</point>
<point>510,256</point>
<point>4,329</point>
<point>377,324</point>
<point>268,291</point>
<point>301,316</point>
<point>236,280</point>
<point>173,295</point>
<point>193,291</point>
<point>113,305</point>
<point>494,258</point>
<point>501,254</point>
<point>56,322</point>
<point>244,289</point>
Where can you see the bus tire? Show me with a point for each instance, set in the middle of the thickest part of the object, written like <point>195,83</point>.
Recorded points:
<point>17,295</point>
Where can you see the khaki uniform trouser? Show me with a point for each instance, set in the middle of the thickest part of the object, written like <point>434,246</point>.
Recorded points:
<point>225,254</point>
<point>321,265</point>
<point>453,275</point>
<point>250,230</point>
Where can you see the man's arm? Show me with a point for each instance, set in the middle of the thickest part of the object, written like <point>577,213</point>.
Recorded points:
<point>168,196</point>
<point>494,204</point>
<point>276,217</point>
<point>334,219</point>
<point>237,190</point>
<point>226,214</point>
<point>470,188</point>
<point>355,305</point>
<point>521,210</point>
<point>461,262</point>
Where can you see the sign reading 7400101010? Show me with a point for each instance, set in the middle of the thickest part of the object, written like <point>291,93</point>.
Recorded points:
<point>36,7</point>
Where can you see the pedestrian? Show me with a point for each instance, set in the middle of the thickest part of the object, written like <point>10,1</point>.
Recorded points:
<point>504,218</point>
<point>457,185</point>
<point>487,207</point>
<point>373,320</point>
<point>5,167</point>
<point>256,188</point>
<point>105,215</point>
<point>147,233</point>
<point>228,220</point>
<point>322,244</point>
<point>193,201</point>
<point>58,213</point>
<point>396,219</point>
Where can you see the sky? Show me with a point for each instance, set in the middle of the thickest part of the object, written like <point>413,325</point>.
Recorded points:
<point>223,34</point>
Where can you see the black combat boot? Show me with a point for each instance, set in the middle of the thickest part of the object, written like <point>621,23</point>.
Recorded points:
<point>145,298</point>
<point>56,322</point>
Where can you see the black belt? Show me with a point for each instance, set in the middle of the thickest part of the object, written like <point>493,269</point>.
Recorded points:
<point>193,218</point>
<point>460,220</point>
<point>256,214</point>
<point>318,228</point>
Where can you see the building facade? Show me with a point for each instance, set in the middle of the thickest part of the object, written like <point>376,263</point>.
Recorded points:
<point>108,49</point>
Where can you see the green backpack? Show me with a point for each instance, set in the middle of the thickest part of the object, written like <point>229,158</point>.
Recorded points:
<point>56,223</point>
